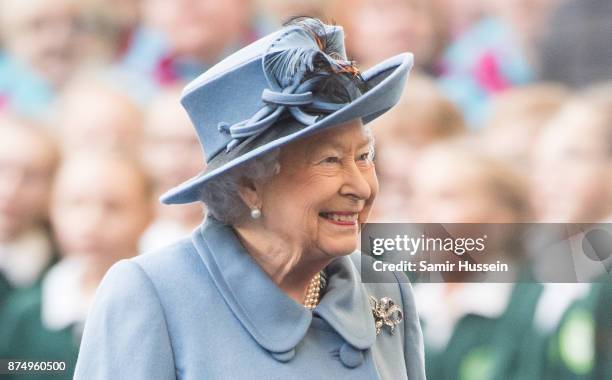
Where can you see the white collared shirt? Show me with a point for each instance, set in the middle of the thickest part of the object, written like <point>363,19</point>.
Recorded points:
<point>162,233</point>
<point>64,301</point>
<point>556,298</point>
<point>23,260</point>
<point>441,308</point>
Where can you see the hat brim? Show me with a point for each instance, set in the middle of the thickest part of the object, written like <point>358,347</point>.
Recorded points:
<point>385,82</point>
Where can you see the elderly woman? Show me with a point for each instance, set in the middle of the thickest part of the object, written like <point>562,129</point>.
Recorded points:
<point>267,286</point>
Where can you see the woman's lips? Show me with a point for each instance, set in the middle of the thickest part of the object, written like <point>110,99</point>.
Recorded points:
<point>342,218</point>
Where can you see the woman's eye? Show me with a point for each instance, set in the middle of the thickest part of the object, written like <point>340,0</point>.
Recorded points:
<point>367,156</point>
<point>331,160</point>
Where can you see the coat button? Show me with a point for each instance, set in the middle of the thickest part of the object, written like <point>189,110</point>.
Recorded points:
<point>350,356</point>
<point>284,356</point>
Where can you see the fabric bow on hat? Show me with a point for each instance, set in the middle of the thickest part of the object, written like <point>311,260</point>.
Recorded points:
<point>290,58</point>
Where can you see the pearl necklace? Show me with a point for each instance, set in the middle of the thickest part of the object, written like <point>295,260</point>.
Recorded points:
<point>313,292</point>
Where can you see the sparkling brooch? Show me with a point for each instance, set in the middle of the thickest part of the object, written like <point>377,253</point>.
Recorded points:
<point>386,313</point>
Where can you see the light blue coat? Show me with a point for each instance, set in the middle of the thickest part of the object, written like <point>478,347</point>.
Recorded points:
<point>203,309</point>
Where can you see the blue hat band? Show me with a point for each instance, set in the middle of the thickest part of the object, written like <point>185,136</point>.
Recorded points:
<point>291,98</point>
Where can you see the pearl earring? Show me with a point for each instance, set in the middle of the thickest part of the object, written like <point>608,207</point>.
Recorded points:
<point>255,213</point>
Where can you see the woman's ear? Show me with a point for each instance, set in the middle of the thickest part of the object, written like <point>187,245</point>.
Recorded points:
<point>248,190</point>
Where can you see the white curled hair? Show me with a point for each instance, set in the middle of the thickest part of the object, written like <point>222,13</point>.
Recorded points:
<point>221,194</point>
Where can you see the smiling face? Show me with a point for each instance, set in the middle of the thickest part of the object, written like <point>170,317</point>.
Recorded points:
<point>324,191</point>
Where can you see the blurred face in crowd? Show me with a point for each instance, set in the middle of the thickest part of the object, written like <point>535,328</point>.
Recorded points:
<point>100,117</point>
<point>172,152</point>
<point>100,207</point>
<point>573,167</point>
<point>452,186</point>
<point>379,29</point>
<point>518,115</point>
<point>199,29</point>
<point>27,163</point>
<point>43,34</point>
<point>324,191</point>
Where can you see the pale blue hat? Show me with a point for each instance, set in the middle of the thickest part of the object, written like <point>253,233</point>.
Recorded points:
<point>264,96</point>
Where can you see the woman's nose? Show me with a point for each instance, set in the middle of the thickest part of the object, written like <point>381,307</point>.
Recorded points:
<point>355,183</point>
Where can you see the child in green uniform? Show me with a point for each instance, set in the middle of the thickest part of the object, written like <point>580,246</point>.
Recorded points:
<point>472,331</point>
<point>28,159</point>
<point>579,348</point>
<point>486,338</point>
<point>101,204</point>
<point>573,184</point>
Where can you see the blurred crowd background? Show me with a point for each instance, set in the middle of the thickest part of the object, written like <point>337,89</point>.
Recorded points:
<point>507,117</point>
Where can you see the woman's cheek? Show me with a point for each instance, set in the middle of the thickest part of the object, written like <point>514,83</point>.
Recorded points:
<point>365,213</point>
<point>373,182</point>
<point>370,201</point>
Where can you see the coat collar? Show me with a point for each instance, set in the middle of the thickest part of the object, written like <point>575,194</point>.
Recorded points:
<point>272,318</point>
<point>346,306</point>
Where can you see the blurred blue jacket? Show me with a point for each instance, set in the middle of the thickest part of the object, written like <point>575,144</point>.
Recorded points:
<point>203,309</point>
<point>485,60</point>
<point>25,93</point>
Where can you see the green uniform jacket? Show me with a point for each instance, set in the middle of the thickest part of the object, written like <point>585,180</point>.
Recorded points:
<point>483,348</point>
<point>581,347</point>
<point>26,338</point>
